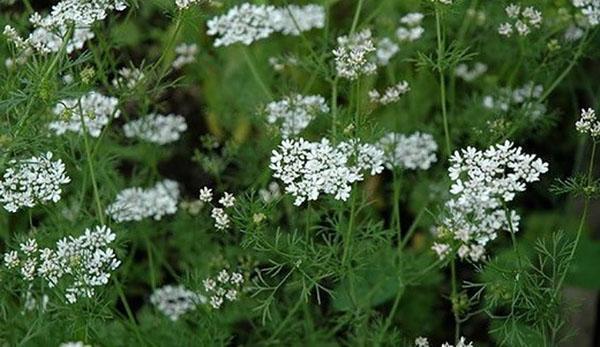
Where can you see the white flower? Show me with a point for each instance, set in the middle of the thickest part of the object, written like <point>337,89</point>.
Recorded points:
<point>220,217</point>
<point>295,113</point>
<point>74,344</point>
<point>470,74</point>
<point>308,169</point>
<point>135,204</point>
<point>590,9</point>
<point>93,109</point>
<point>421,342</point>
<point>390,95</point>
<point>80,263</point>
<point>226,287</point>
<point>521,20</point>
<point>156,128</point>
<point>386,50</point>
<point>588,123</point>
<point>175,301</point>
<point>228,200</point>
<point>416,151</point>
<point>186,54</point>
<point>36,180</point>
<point>410,28</point>
<point>355,56</point>
<point>128,78</point>
<point>248,23</point>
<point>483,183</point>
<point>271,193</point>
<point>184,4</point>
<point>527,98</point>
<point>206,194</point>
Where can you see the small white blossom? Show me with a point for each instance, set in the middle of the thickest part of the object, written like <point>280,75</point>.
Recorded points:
<point>220,217</point>
<point>271,193</point>
<point>32,181</point>
<point>588,123</point>
<point>295,113</point>
<point>410,28</point>
<point>175,301</point>
<point>186,54</point>
<point>355,55</point>
<point>390,95</point>
<point>128,78</point>
<point>156,128</point>
<point>470,74</point>
<point>412,152</point>
<point>135,204</point>
<point>226,287</point>
<point>590,9</point>
<point>93,109</point>
<point>522,20</point>
<point>206,194</point>
<point>227,200</point>
<point>386,50</point>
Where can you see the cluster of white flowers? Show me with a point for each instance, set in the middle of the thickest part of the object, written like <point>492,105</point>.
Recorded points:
<point>280,63</point>
<point>355,55</point>
<point>410,28</point>
<point>218,214</point>
<point>527,97</point>
<point>93,109</point>
<point>413,152</point>
<point>74,344</point>
<point>184,4</point>
<point>247,23</point>
<point>386,50</point>
<point>156,128</point>
<point>295,113</point>
<point>483,183</point>
<point>128,78</point>
<point>390,95</point>
<point>424,342</point>
<point>470,74</point>
<point>271,193</point>
<point>50,30</point>
<point>522,20</point>
<point>444,2</point>
<point>28,182</point>
<point>186,54</point>
<point>81,263</point>
<point>309,169</point>
<point>226,286</point>
<point>588,123</point>
<point>135,204</point>
<point>175,301</point>
<point>590,9</point>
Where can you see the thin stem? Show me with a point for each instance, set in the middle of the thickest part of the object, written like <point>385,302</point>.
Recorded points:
<point>454,300</point>
<point>396,216</point>
<point>440,54</point>
<point>412,228</point>
<point>128,311</point>
<point>356,16</point>
<point>99,210</point>
<point>392,313</point>
<point>348,234</point>
<point>334,96</point>
<point>256,74</point>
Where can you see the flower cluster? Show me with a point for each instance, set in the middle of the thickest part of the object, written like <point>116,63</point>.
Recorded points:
<point>175,301</point>
<point>309,169</point>
<point>527,97</point>
<point>295,113</point>
<point>74,344</point>
<point>218,214</point>
<point>28,182</point>
<point>225,286</point>
<point>386,50</point>
<point>156,128</point>
<point>590,9</point>
<point>128,78</point>
<point>522,20</point>
<point>47,37</point>
<point>470,74</point>
<point>186,54</point>
<point>184,4</point>
<point>390,95</point>
<point>135,204</point>
<point>80,263</point>
<point>410,28</point>
<point>355,55</point>
<point>93,110</point>
<point>280,63</point>
<point>247,23</point>
<point>588,123</point>
<point>413,152</point>
<point>483,183</point>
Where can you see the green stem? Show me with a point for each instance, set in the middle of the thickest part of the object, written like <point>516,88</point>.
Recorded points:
<point>356,16</point>
<point>334,96</point>
<point>392,313</point>
<point>256,74</point>
<point>348,235</point>
<point>440,55</point>
<point>128,311</point>
<point>454,300</point>
<point>396,216</point>
<point>89,159</point>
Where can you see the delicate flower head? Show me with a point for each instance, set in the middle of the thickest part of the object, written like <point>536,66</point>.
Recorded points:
<point>295,113</point>
<point>135,204</point>
<point>355,56</point>
<point>390,95</point>
<point>412,152</point>
<point>386,50</point>
<point>175,301</point>
<point>93,109</point>
<point>128,78</point>
<point>590,10</point>
<point>225,287</point>
<point>521,20</point>
<point>156,128</point>
<point>588,123</point>
<point>410,28</point>
<point>32,181</point>
<point>186,54</point>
